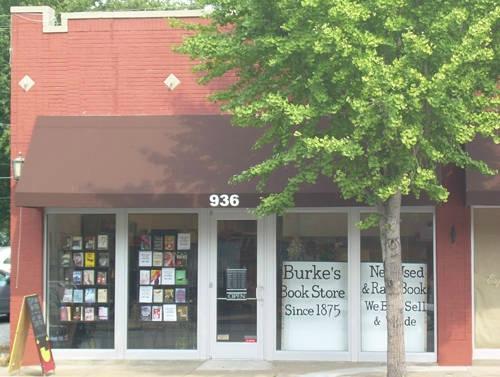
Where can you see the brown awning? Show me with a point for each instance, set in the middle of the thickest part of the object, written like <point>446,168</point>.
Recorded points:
<point>144,162</point>
<point>483,189</point>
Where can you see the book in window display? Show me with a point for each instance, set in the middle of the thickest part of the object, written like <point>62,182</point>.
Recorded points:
<point>78,259</point>
<point>156,313</point>
<point>180,295</point>
<point>77,313</point>
<point>168,296</point>
<point>170,313</point>
<point>90,259</point>
<point>102,295</point>
<point>145,259</point>
<point>146,294</point>
<point>182,312</point>
<point>102,242</point>
<point>89,313</point>
<point>158,296</point>
<point>88,277</point>
<point>157,242</point>
<point>144,277</point>
<point>184,241</point>
<point>145,313</point>
<point>169,242</point>
<point>180,277</point>
<point>157,259</point>
<point>68,295</point>
<point>77,277</point>
<point>77,296</point>
<point>66,259</point>
<point>65,313</point>
<point>168,276</point>
<point>67,242</point>
<point>181,259</point>
<point>68,275</point>
<point>169,259</point>
<point>103,259</point>
<point>90,295</point>
<point>90,243</point>
<point>102,313</point>
<point>102,278</point>
<point>145,241</point>
<point>155,277</point>
<point>76,243</point>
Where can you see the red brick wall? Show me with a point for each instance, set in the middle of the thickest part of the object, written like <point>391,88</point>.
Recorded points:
<point>99,67</point>
<point>117,67</point>
<point>454,298</point>
<point>27,258</point>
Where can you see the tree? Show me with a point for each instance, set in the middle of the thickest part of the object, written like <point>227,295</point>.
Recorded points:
<point>401,84</point>
<point>60,6</point>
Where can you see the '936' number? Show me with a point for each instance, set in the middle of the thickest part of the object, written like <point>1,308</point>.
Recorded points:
<point>224,200</point>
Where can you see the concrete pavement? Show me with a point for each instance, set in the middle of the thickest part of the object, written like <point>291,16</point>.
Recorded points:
<point>217,368</point>
<point>4,332</point>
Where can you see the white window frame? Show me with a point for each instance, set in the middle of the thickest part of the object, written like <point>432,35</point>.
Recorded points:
<point>172,354</point>
<point>84,353</point>
<point>120,350</point>
<point>270,300</point>
<point>354,352</point>
<point>311,355</point>
<point>414,357</point>
<point>478,353</point>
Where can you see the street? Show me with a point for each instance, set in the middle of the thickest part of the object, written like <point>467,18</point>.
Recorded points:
<point>4,332</point>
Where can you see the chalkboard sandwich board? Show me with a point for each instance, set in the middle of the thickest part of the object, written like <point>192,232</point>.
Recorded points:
<point>31,312</point>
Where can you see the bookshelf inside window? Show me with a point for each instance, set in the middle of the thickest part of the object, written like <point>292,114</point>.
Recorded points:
<point>81,280</point>
<point>163,258</point>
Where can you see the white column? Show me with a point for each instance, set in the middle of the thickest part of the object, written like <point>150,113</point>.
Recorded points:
<point>121,282</point>
<point>354,243</point>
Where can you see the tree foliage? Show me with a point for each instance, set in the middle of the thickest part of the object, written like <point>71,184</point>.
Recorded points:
<point>374,94</point>
<point>59,6</point>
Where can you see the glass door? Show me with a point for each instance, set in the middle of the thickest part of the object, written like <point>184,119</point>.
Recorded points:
<point>236,287</point>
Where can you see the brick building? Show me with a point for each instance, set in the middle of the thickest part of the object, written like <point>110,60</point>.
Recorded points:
<point>123,222</point>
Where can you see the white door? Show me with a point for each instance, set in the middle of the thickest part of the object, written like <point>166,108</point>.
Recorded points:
<point>236,290</point>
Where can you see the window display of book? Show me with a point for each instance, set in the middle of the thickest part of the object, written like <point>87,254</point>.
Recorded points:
<point>164,290</point>
<point>88,279</point>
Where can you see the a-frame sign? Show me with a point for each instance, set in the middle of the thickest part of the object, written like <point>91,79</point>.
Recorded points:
<point>31,312</point>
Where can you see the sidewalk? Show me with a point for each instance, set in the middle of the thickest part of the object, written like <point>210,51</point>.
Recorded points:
<point>216,368</point>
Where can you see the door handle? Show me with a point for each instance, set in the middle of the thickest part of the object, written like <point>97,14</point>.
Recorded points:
<point>260,293</point>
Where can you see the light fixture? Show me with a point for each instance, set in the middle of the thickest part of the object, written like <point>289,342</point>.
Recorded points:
<point>17,166</point>
<point>453,234</point>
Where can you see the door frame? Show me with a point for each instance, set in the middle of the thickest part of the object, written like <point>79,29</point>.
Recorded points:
<point>220,350</point>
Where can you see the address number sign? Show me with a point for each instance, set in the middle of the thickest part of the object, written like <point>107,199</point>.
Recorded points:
<point>224,200</point>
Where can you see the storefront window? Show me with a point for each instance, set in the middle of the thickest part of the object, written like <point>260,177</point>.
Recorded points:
<point>81,276</point>
<point>418,271</point>
<point>312,301</point>
<point>163,264</point>
<point>487,277</point>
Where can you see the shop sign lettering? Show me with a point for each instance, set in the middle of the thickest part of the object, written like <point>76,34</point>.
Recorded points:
<point>374,307</point>
<point>314,303</point>
<point>236,295</point>
<point>224,200</point>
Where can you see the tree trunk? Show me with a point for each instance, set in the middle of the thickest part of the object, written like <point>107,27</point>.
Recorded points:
<point>391,252</point>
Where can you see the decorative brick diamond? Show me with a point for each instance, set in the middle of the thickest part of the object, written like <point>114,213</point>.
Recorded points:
<point>26,83</point>
<point>171,81</point>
